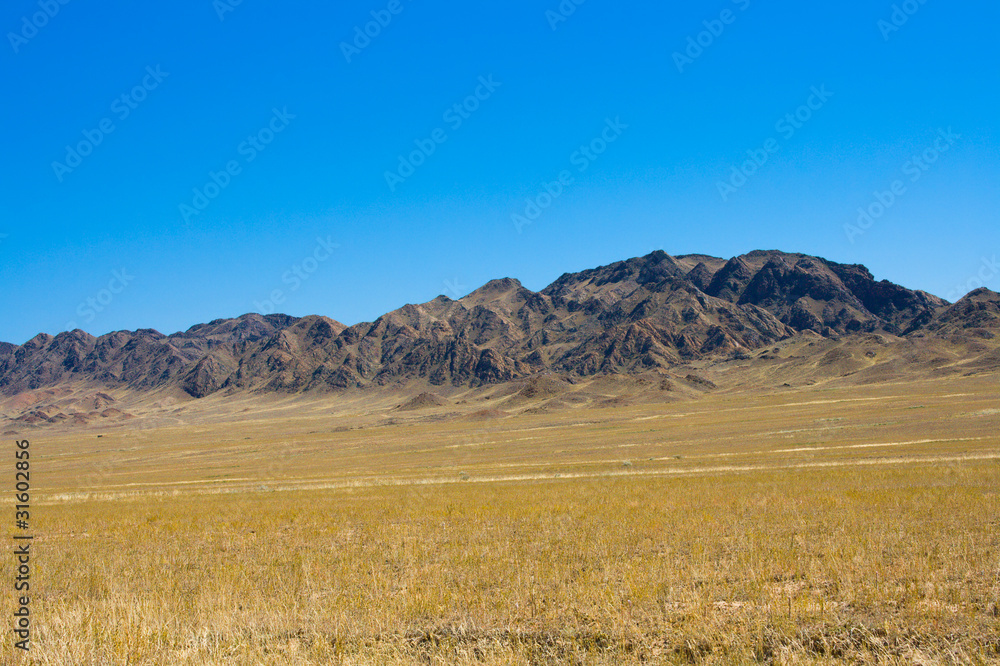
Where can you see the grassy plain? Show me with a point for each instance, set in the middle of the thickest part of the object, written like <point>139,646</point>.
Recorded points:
<point>798,526</point>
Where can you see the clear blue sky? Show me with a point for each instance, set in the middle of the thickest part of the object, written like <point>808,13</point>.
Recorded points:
<point>448,227</point>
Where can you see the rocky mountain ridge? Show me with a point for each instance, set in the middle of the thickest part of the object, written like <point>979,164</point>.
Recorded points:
<point>650,313</point>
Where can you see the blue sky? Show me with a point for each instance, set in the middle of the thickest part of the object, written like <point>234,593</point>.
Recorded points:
<point>292,133</point>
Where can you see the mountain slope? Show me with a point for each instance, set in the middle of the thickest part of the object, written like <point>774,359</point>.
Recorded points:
<point>646,314</point>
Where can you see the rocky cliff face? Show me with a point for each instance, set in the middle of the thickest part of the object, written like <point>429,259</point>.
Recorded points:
<point>141,359</point>
<point>977,315</point>
<point>632,316</point>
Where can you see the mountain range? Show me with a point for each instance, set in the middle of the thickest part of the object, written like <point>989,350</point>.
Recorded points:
<point>651,314</point>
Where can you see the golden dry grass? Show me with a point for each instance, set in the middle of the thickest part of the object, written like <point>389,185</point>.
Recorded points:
<point>811,526</point>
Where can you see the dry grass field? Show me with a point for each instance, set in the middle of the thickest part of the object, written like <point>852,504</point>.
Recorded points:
<point>800,526</point>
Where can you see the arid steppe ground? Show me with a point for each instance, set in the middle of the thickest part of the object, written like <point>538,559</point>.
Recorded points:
<point>803,525</point>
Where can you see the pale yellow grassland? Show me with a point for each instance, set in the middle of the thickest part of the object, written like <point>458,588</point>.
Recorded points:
<point>805,526</point>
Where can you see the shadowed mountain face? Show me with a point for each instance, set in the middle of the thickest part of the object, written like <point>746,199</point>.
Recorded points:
<point>6,349</point>
<point>976,316</point>
<point>142,359</point>
<point>648,313</point>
